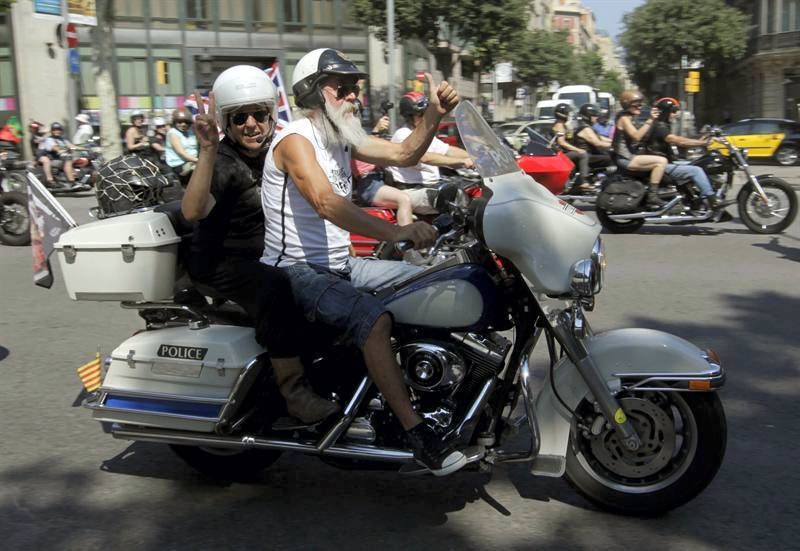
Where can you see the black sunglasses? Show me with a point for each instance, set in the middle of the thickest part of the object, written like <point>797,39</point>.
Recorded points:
<point>344,89</point>
<point>240,118</point>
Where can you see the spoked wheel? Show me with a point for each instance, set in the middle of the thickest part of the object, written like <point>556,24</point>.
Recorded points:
<point>615,226</point>
<point>772,217</point>
<point>15,224</point>
<point>226,463</point>
<point>683,441</point>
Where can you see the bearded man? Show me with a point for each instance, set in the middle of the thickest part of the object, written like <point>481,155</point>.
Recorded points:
<point>306,192</point>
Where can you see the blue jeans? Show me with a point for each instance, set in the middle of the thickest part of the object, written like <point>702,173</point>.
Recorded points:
<point>694,173</point>
<point>341,299</point>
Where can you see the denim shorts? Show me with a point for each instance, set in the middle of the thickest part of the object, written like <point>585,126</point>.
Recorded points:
<point>340,299</point>
<point>623,163</point>
<point>367,186</point>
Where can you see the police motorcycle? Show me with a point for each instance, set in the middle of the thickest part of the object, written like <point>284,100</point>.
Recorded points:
<point>631,416</point>
<point>767,204</point>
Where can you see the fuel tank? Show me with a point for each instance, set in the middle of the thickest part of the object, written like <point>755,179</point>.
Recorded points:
<point>461,297</point>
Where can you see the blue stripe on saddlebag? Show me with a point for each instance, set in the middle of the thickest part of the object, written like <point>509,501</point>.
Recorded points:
<point>164,406</point>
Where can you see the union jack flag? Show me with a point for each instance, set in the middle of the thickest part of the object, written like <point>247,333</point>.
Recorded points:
<point>284,109</point>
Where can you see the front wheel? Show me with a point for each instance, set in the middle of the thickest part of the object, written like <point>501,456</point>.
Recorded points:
<point>614,226</point>
<point>774,217</point>
<point>227,464</point>
<point>15,181</point>
<point>683,442</point>
<point>15,223</point>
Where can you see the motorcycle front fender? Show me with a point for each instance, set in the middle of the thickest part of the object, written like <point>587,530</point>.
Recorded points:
<point>624,357</point>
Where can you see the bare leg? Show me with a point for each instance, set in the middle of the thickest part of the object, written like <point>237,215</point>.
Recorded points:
<point>649,163</point>
<point>68,171</point>
<point>390,197</point>
<point>386,374</point>
<point>48,171</point>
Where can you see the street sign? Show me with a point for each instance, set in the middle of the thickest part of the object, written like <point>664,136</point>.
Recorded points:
<point>503,72</point>
<point>74,61</point>
<point>72,36</point>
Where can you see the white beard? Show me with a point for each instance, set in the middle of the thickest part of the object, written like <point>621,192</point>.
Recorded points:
<point>347,125</point>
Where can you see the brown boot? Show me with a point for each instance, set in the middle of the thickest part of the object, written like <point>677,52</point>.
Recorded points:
<point>301,400</point>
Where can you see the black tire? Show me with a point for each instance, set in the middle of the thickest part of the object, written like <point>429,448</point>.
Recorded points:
<point>15,223</point>
<point>15,181</point>
<point>227,464</point>
<point>686,469</point>
<point>787,155</point>
<point>750,204</point>
<point>618,227</point>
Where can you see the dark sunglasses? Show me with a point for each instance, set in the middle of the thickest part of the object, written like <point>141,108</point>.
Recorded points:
<point>344,89</point>
<point>240,118</point>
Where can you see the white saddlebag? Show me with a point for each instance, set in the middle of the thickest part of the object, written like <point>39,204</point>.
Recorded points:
<point>175,378</point>
<point>125,258</point>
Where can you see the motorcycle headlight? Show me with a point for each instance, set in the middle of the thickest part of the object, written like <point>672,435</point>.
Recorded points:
<point>586,276</point>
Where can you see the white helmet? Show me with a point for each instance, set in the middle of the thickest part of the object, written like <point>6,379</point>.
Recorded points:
<point>313,68</point>
<point>82,118</point>
<point>159,121</point>
<point>243,85</point>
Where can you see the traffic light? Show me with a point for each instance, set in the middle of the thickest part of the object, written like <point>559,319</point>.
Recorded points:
<point>162,75</point>
<point>692,82</point>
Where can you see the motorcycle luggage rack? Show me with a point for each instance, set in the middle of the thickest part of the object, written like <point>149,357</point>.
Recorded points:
<point>197,319</point>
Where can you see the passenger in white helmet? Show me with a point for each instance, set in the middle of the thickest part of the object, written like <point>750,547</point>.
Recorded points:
<point>224,197</point>
<point>306,192</point>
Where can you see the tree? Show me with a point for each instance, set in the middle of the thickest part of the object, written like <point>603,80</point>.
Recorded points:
<point>541,57</point>
<point>589,68</point>
<point>480,27</point>
<point>611,83</point>
<point>658,33</point>
<point>102,48</point>
<point>5,5</point>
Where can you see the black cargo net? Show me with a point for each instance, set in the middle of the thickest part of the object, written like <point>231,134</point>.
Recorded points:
<point>128,183</point>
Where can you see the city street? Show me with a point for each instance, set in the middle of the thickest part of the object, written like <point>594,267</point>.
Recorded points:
<point>66,485</point>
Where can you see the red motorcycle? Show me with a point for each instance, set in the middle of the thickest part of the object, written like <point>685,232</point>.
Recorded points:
<point>537,158</point>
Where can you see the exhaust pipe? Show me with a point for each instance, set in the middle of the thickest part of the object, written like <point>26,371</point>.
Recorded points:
<point>647,215</point>
<point>352,451</point>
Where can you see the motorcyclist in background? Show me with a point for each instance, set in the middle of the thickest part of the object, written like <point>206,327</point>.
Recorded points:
<point>579,156</point>
<point>660,141</point>
<point>626,144</point>
<point>602,126</point>
<point>587,139</point>
<point>181,147</point>
<point>135,136</point>
<point>84,132</point>
<point>224,197</point>
<point>56,151</point>
<point>368,181</point>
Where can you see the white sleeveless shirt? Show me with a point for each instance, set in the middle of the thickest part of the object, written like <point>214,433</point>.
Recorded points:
<point>294,232</point>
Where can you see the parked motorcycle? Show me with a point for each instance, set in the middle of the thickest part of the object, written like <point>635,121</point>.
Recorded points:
<point>15,224</point>
<point>766,204</point>
<point>629,416</point>
<point>12,168</point>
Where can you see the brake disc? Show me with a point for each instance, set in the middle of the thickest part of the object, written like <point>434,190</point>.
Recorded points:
<point>656,431</point>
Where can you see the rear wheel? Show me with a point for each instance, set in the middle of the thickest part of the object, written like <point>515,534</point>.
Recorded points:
<point>786,155</point>
<point>15,224</point>
<point>774,217</point>
<point>683,442</point>
<point>14,181</point>
<point>615,226</point>
<point>226,463</point>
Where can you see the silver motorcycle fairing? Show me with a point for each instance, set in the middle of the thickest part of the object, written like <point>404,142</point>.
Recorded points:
<point>542,235</point>
<point>638,354</point>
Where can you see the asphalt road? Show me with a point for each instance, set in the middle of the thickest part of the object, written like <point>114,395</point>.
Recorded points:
<point>66,485</point>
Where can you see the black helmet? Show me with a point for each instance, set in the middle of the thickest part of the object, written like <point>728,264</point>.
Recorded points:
<point>587,111</point>
<point>56,126</point>
<point>412,104</point>
<point>561,111</point>
<point>666,107</point>
<point>313,68</point>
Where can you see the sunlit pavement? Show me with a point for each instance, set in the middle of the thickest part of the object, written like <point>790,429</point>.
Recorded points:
<point>66,485</point>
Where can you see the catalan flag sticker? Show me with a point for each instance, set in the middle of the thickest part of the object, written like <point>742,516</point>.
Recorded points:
<point>90,374</point>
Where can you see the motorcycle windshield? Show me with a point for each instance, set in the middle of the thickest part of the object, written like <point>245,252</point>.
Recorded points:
<point>491,157</point>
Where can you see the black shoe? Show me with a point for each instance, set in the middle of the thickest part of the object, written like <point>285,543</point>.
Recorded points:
<point>713,201</point>
<point>654,202</point>
<point>432,453</point>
